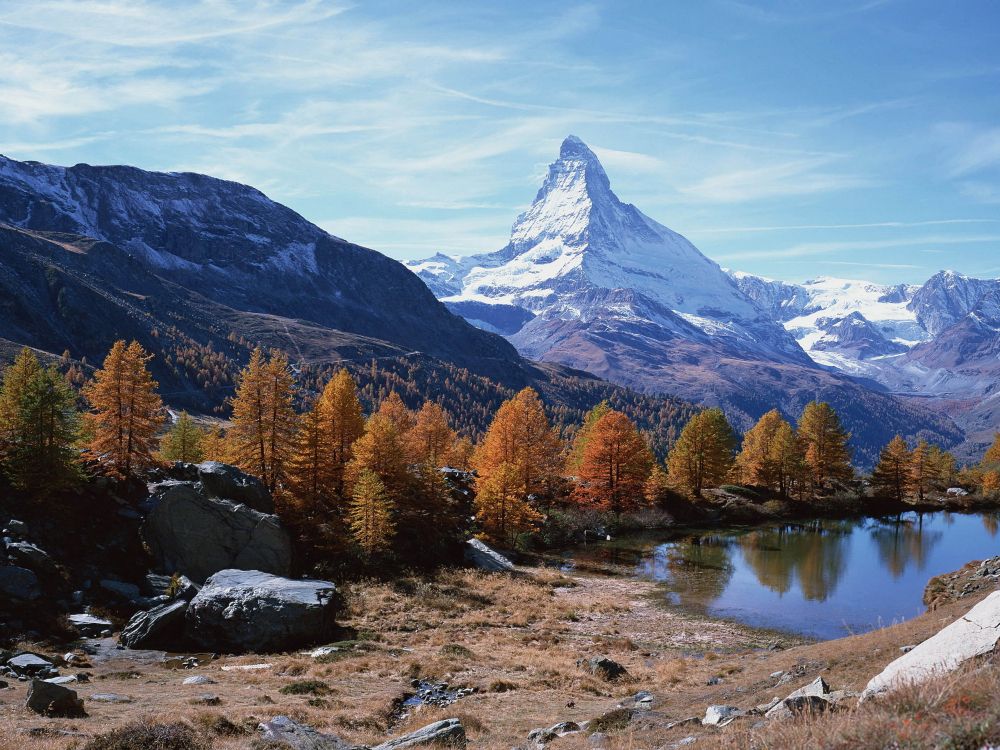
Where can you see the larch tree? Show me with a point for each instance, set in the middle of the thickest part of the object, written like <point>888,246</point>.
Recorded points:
<point>264,418</point>
<point>787,459</point>
<point>943,467</point>
<point>371,514</point>
<point>657,487</point>
<point>827,455</point>
<point>891,476</point>
<point>343,424</point>
<point>15,384</point>
<point>992,456</point>
<point>380,450</point>
<point>922,471</point>
<point>502,511</point>
<point>756,463</point>
<point>582,437</point>
<point>310,472</point>
<point>615,466</point>
<point>520,437</point>
<point>44,457</point>
<point>703,454</point>
<point>127,411</point>
<point>213,445</point>
<point>184,441</point>
<point>392,406</point>
<point>431,440</point>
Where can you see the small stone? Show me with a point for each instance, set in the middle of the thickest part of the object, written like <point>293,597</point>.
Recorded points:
<point>198,679</point>
<point>777,675</point>
<point>714,680</point>
<point>907,649</point>
<point>207,699</point>
<point>720,715</point>
<point>62,679</point>
<point>605,668</point>
<point>109,698</point>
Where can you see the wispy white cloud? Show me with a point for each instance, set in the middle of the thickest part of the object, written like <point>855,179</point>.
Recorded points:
<point>773,180</point>
<point>868,225</point>
<point>809,249</point>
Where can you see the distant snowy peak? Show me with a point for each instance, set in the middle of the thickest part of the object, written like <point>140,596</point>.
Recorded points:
<point>947,297</point>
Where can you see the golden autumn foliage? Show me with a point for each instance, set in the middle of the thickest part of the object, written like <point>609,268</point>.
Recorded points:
<point>575,458</point>
<point>127,411</point>
<point>520,439</point>
<point>380,451</point>
<point>431,440</point>
<point>310,478</point>
<point>343,424</point>
<point>922,474</point>
<point>370,514</point>
<point>264,420</point>
<point>501,509</point>
<point>703,455</point>
<point>615,465</point>
<point>827,456</point>
<point>765,458</point>
<point>891,476</point>
<point>213,445</point>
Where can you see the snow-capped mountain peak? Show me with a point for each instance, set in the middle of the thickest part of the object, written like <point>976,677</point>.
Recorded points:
<point>580,253</point>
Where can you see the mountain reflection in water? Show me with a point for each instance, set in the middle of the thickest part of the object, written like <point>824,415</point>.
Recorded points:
<point>823,579</point>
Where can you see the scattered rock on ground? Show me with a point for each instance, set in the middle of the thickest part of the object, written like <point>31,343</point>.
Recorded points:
<point>603,667</point>
<point>248,610</point>
<point>720,715</point>
<point>28,663</point>
<point>198,679</point>
<point>53,700</point>
<point>90,626</point>
<point>108,698</point>
<point>974,634</point>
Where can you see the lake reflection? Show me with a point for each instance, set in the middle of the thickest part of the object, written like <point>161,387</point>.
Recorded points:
<point>824,579</point>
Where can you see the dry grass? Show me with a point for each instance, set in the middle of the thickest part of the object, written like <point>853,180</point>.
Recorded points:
<point>516,640</point>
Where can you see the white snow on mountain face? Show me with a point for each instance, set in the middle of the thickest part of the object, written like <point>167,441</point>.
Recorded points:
<point>815,312</point>
<point>578,243</point>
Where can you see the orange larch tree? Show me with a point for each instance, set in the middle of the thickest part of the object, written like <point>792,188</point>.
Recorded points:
<point>615,465</point>
<point>127,411</point>
<point>521,439</point>
<point>264,418</point>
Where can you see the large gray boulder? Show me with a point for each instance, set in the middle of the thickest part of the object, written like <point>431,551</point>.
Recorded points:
<point>286,732</point>
<point>974,634</point>
<point>238,611</point>
<point>484,557</point>
<point>197,536</point>
<point>445,733</point>
<point>226,482</point>
<point>161,627</point>
<point>19,583</point>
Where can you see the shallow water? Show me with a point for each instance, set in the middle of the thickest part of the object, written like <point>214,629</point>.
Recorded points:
<point>822,579</point>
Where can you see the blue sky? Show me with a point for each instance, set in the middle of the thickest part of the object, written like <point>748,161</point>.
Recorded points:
<point>793,139</point>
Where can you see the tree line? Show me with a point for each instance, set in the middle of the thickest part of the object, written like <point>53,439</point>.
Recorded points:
<point>350,485</point>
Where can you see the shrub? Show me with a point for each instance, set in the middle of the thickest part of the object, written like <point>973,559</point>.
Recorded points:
<point>306,687</point>
<point>148,736</point>
<point>456,649</point>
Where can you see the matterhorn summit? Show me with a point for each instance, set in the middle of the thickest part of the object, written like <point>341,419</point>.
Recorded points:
<point>580,254</point>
